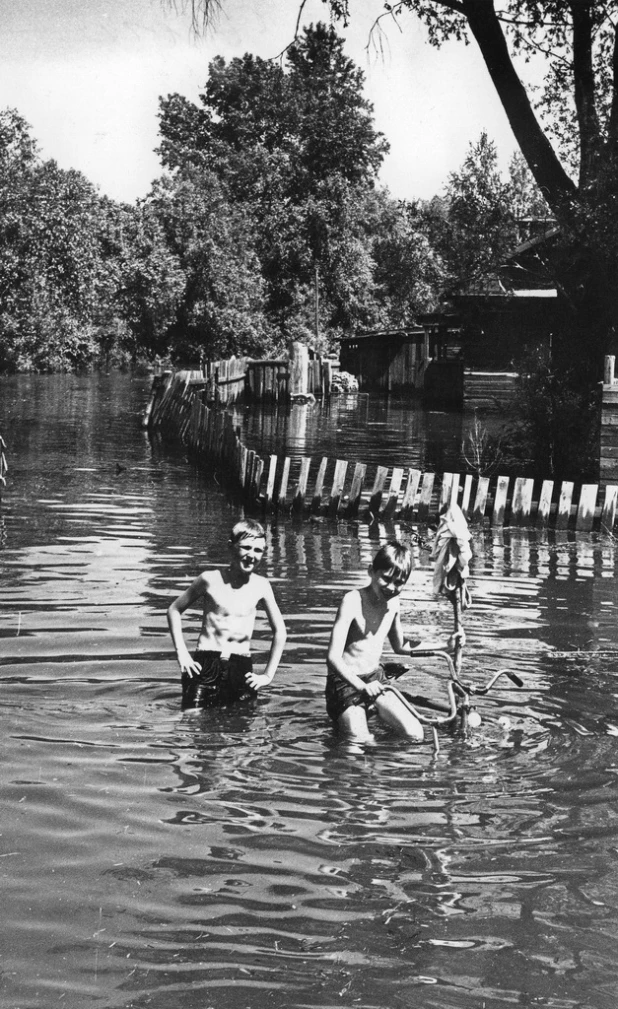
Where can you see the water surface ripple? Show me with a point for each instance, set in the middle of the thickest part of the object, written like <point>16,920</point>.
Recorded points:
<point>248,857</point>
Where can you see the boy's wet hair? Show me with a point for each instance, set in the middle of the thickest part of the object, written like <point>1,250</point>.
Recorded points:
<point>247,529</point>
<point>393,558</point>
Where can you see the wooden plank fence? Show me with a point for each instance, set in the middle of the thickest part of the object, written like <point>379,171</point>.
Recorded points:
<point>268,380</point>
<point>226,381</point>
<point>339,489</point>
<point>3,465</point>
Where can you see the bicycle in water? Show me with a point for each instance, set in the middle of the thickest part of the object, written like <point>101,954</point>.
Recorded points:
<point>460,712</point>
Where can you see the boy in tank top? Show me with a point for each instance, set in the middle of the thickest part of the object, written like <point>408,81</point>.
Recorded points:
<point>221,670</point>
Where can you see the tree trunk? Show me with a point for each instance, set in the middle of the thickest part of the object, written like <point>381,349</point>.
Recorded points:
<point>556,186</point>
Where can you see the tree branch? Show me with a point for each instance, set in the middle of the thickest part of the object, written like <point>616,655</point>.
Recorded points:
<point>584,92</point>
<point>612,127</point>
<point>203,12</point>
<point>301,8</point>
<point>556,186</point>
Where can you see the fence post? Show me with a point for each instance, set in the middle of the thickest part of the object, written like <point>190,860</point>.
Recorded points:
<point>299,369</point>
<point>298,500</point>
<point>610,364</point>
<point>356,490</point>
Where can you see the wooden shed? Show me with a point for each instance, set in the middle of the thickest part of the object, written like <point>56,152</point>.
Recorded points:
<point>424,361</point>
<point>505,318</point>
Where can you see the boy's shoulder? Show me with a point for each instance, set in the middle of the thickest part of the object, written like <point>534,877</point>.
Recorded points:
<point>353,597</point>
<point>260,582</point>
<point>209,573</point>
<point>209,577</point>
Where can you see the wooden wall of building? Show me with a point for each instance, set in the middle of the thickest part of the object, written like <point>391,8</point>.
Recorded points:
<point>608,449</point>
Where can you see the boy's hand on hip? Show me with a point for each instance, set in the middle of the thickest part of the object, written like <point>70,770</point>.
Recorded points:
<point>188,664</point>
<point>257,680</point>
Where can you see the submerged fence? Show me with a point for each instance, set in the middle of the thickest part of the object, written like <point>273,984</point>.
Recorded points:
<point>3,465</point>
<point>338,488</point>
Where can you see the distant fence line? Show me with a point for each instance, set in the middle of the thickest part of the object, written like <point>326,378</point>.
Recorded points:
<point>337,488</point>
<point>282,379</point>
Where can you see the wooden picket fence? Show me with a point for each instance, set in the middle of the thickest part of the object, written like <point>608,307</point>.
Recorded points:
<point>225,380</point>
<point>3,465</point>
<point>338,488</point>
<point>270,379</point>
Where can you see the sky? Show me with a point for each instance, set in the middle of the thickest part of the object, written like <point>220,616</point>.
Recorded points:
<point>87,76</point>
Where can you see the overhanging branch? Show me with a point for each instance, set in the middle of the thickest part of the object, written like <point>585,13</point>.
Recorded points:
<point>584,91</point>
<point>556,186</point>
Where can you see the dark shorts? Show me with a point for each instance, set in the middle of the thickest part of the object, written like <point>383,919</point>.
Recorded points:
<point>221,681</point>
<point>341,695</point>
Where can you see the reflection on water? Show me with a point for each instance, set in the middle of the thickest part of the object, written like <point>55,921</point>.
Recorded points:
<point>363,428</point>
<point>250,858</point>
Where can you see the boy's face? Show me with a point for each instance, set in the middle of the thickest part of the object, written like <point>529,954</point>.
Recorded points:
<point>247,553</point>
<point>387,584</point>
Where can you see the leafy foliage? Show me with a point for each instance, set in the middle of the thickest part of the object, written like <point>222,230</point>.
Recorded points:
<point>555,431</point>
<point>221,310</point>
<point>64,261</point>
<point>479,226</point>
<point>295,154</point>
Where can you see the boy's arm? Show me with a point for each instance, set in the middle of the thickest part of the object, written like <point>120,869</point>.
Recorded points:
<point>174,619</point>
<point>346,614</point>
<point>404,646</point>
<point>398,643</point>
<point>279,635</point>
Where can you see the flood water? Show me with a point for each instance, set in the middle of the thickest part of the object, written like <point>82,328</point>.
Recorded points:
<point>249,857</point>
<point>373,430</point>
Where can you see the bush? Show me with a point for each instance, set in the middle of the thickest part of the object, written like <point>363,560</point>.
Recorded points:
<point>344,382</point>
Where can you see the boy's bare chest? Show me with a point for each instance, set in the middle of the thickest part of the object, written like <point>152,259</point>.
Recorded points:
<point>373,621</point>
<point>229,601</point>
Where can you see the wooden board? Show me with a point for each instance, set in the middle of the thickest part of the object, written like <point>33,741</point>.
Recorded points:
<point>608,512</point>
<point>500,500</point>
<point>584,519</point>
<point>316,503</point>
<point>409,495</point>
<point>424,504</point>
<point>336,493</point>
<point>480,501</point>
<point>375,501</point>
<point>298,502</point>
<point>393,493</point>
<point>564,505</point>
<point>358,480</point>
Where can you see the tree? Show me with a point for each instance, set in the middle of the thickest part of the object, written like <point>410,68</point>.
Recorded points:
<point>531,214</point>
<point>310,116</point>
<point>294,149</point>
<point>335,134</point>
<point>221,309</point>
<point>78,273</point>
<point>149,282</point>
<point>410,273</point>
<point>49,257</point>
<point>479,226</point>
<point>458,240</point>
<point>575,41</point>
<point>18,160</point>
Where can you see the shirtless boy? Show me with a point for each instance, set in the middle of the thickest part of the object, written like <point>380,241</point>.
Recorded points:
<point>221,671</point>
<point>366,617</point>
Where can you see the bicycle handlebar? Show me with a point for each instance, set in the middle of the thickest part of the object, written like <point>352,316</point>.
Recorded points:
<point>426,719</point>
<point>425,653</point>
<point>454,687</point>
